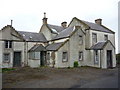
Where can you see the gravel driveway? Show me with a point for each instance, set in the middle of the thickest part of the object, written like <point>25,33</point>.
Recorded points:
<point>46,77</point>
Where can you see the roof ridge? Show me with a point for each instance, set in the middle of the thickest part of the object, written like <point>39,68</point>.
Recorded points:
<point>28,32</point>
<point>55,25</point>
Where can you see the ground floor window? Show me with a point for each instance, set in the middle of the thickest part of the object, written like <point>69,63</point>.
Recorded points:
<point>34,55</point>
<point>80,56</point>
<point>64,57</point>
<point>96,57</point>
<point>6,57</point>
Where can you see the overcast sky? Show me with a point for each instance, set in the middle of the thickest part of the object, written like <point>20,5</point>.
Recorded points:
<point>27,14</point>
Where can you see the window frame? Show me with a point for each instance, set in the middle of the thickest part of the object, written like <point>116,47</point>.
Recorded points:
<point>6,61</point>
<point>64,59</point>
<point>93,39</point>
<point>80,59</point>
<point>8,44</point>
<point>96,57</point>
<point>105,37</point>
<point>32,55</point>
<point>80,39</point>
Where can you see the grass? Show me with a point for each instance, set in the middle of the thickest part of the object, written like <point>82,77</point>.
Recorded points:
<point>8,69</point>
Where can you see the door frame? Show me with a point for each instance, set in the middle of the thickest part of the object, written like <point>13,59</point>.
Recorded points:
<point>20,58</point>
<point>110,63</point>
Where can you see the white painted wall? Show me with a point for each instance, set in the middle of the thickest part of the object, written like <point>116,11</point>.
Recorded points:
<point>100,37</point>
<point>19,46</point>
<point>1,53</point>
<point>46,32</point>
<point>34,63</point>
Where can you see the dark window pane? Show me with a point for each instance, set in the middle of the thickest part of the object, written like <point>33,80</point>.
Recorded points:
<point>6,44</point>
<point>10,44</point>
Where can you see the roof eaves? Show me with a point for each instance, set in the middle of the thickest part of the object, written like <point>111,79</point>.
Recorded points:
<point>99,30</point>
<point>108,29</point>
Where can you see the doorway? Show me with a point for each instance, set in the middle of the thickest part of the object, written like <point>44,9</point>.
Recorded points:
<point>109,58</point>
<point>42,58</point>
<point>17,59</point>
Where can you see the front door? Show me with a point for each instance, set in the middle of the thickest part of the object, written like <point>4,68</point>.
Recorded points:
<point>17,59</point>
<point>109,58</point>
<point>42,58</point>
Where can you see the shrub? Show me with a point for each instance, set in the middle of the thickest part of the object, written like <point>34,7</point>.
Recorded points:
<point>75,63</point>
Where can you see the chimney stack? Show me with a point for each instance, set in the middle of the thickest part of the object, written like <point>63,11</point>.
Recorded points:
<point>44,19</point>
<point>11,22</point>
<point>64,24</point>
<point>98,21</point>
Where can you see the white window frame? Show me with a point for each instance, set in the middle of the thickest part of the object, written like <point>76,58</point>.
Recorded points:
<point>32,55</point>
<point>96,57</point>
<point>8,44</point>
<point>94,38</point>
<point>81,56</point>
<point>64,58</point>
<point>8,57</point>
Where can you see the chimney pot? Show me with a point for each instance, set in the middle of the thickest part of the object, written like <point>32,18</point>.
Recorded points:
<point>98,21</point>
<point>44,19</point>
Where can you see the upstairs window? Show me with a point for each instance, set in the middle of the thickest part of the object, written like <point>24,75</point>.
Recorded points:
<point>94,38</point>
<point>64,57</point>
<point>105,37</point>
<point>80,40</point>
<point>8,44</point>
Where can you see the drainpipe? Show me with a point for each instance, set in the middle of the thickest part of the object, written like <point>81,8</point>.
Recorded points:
<point>100,60</point>
<point>27,53</point>
<point>69,52</point>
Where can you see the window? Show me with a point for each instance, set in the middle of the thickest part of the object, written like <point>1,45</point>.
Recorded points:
<point>34,55</point>
<point>105,37</point>
<point>94,38</point>
<point>64,56</point>
<point>8,44</point>
<point>6,57</point>
<point>96,58</point>
<point>80,56</point>
<point>80,40</point>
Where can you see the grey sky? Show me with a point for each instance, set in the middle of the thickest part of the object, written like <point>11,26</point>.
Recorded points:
<point>27,14</point>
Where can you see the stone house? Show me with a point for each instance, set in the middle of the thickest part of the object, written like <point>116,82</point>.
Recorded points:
<point>91,44</point>
<point>14,46</point>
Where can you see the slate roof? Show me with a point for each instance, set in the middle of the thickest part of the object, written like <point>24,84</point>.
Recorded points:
<point>32,36</point>
<point>37,48</point>
<point>54,46</point>
<point>65,33</point>
<point>95,26</point>
<point>99,46</point>
<point>57,28</point>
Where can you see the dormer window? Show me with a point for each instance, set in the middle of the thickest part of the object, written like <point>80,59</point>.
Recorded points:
<point>8,44</point>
